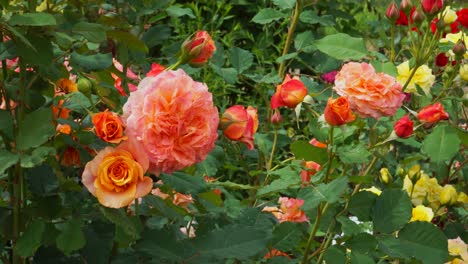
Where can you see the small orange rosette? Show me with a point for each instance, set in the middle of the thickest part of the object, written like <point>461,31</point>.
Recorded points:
<point>109,127</point>
<point>337,112</point>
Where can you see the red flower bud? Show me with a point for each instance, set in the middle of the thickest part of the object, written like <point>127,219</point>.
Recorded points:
<point>240,124</point>
<point>393,13</point>
<point>432,7</point>
<point>432,113</point>
<point>337,112</point>
<point>417,17</point>
<point>404,127</point>
<point>406,5</point>
<point>198,49</point>
<point>290,93</point>
<point>276,118</point>
<point>459,49</point>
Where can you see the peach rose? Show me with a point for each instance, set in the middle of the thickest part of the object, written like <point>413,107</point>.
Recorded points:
<point>369,94</point>
<point>174,120</point>
<point>337,112</point>
<point>116,175</point>
<point>312,168</point>
<point>199,48</point>
<point>240,124</point>
<point>290,93</point>
<point>290,210</point>
<point>109,127</point>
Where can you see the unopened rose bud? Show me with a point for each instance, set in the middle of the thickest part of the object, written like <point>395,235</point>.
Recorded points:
<point>197,49</point>
<point>433,113</point>
<point>404,127</point>
<point>417,17</point>
<point>276,118</point>
<point>414,173</point>
<point>432,7</point>
<point>459,49</point>
<point>406,5</point>
<point>393,13</point>
<point>440,25</point>
<point>385,176</point>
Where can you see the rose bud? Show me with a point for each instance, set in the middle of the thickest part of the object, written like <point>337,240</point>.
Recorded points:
<point>290,93</point>
<point>432,7</point>
<point>197,49</point>
<point>406,5</point>
<point>392,13</point>
<point>417,17</point>
<point>404,127</point>
<point>459,49</point>
<point>240,124</point>
<point>109,127</point>
<point>276,118</point>
<point>432,113</point>
<point>337,112</point>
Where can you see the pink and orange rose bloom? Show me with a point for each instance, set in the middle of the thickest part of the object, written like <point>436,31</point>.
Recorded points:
<point>109,127</point>
<point>116,175</point>
<point>173,119</point>
<point>290,93</point>
<point>369,94</point>
<point>289,210</point>
<point>240,124</point>
<point>337,112</point>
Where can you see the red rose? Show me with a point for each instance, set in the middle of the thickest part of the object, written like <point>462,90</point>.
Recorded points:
<point>404,127</point>
<point>462,17</point>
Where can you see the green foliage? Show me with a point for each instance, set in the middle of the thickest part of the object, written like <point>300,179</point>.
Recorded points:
<point>41,121</point>
<point>442,144</point>
<point>392,210</point>
<point>342,47</point>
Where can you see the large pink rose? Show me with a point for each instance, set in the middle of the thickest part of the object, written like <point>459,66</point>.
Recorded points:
<point>369,94</point>
<point>174,120</point>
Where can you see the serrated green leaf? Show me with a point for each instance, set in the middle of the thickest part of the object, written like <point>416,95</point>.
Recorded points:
<point>37,157</point>
<point>362,243</point>
<point>311,17</point>
<point>209,166</point>
<point>177,11</point>
<point>348,226</point>
<point>285,4</point>
<point>342,47</point>
<point>233,185</point>
<point>351,154</point>
<point>91,31</point>
<point>94,62</point>
<point>6,124</point>
<point>286,236</point>
<point>41,121</point>
<point>228,74</point>
<point>358,258</point>
<point>392,210</point>
<point>32,19</point>
<point>31,239</point>
<point>330,193</point>
<point>304,150</point>
<point>130,40</point>
<point>42,180</point>
<point>163,245</point>
<point>184,183</point>
<point>442,144</point>
<point>288,178</point>
<point>304,41</point>
<point>156,35</point>
<point>267,15</point>
<point>334,255</point>
<point>71,237</point>
<point>120,218</point>
<point>241,59</point>
<point>7,159</point>
<point>420,240</point>
<point>361,205</point>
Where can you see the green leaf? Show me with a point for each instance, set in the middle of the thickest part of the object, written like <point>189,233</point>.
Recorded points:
<point>91,31</point>
<point>342,47</point>
<point>184,183</point>
<point>99,242</point>
<point>42,180</point>
<point>358,258</point>
<point>94,62</point>
<point>32,19</point>
<point>228,74</point>
<point>31,239</point>
<point>41,121</point>
<point>163,245</point>
<point>361,205</point>
<point>233,185</point>
<point>130,40</point>
<point>6,124</point>
<point>442,144</point>
<point>267,15</point>
<point>213,161</point>
<point>420,240</point>
<point>37,157</point>
<point>234,241</point>
<point>286,57</point>
<point>286,236</point>
<point>285,4</point>
<point>311,17</point>
<point>120,218</point>
<point>7,159</point>
<point>351,154</point>
<point>288,178</point>
<point>63,40</point>
<point>7,50</point>
<point>41,54</point>
<point>177,11</point>
<point>304,150</point>
<point>156,35</point>
<point>71,237</point>
<point>156,222</point>
<point>334,255</point>
<point>363,243</point>
<point>304,41</point>
<point>386,67</point>
<point>348,226</point>
<point>241,59</point>
<point>392,210</point>
<point>77,102</point>
<point>330,193</point>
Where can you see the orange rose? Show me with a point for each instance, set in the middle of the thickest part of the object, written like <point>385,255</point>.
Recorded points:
<point>66,86</point>
<point>275,253</point>
<point>109,127</point>
<point>116,175</point>
<point>240,124</point>
<point>433,113</point>
<point>199,48</point>
<point>337,112</point>
<point>290,93</point>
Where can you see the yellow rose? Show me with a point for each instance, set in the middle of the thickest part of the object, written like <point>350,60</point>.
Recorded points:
<point>462,198</point>
<point>116,176</point>
<point>385,176</point>
<point>423,77</point>
<point>448,195</point>
<point>426,189</point>
<point>422,213</point>
<point>464,72</point>
<point>454,38</point>
<point>373,189</point>
<point>457,247</point>
<point>449,15</point>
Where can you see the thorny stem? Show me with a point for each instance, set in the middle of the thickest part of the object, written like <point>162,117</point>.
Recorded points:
<point>289,37</point>
<point>320,212</point>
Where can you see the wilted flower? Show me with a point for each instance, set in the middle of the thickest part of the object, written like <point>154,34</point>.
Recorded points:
<point>116,175</point>
<point>240,124</point>
<point>290,93</point>
<point>198,48</point>
<point>337,112</point>
<point>422,213</point>
<point>174,120</point>
<point>369,94</point>
<point>432,113</point>
<point>404,127</point>
<point>108,126</point>
<point>423,77</point>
